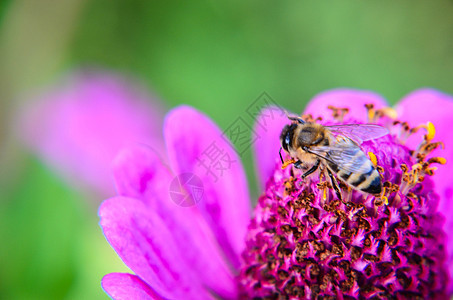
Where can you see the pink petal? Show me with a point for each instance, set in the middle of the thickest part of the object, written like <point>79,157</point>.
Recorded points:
<point>147,247</point>
<point>420,107</point>
<point>195,145</point>
<point>268,127</point>
<point>78,126</point>
<point>125,286</point>
<point>139,173</point>
<point>355,100</point>
<point>426,105</point>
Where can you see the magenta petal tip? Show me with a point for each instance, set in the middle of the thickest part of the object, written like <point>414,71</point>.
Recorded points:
<point>124,286</point>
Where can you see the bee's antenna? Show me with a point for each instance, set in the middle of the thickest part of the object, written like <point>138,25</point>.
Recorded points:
<point>295,119</point>
<point>286,113</point>
<point>281,157</point>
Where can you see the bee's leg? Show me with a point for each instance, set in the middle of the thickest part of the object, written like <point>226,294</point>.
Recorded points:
<point>298,164</point>
<point>312,169</point>
<point>334,184</point>
<point>281,157</point>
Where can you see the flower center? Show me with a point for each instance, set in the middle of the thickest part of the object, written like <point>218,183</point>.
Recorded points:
<point>306,243</point>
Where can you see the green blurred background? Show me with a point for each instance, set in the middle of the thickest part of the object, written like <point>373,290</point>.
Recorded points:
<point>216,56</point>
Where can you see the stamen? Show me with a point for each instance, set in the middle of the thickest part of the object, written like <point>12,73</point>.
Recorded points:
<point>426,148</point>
<point>381,170</point>
<point>406,131</point>
<point>418,172</point>
<point>430,131</point>
<point>309,118</point>
<point>437,160</point>
<point>386,111</point>
<point>371,112</point>
<point>415,129</point>
<point>323,186</point>
<point>338,112</point>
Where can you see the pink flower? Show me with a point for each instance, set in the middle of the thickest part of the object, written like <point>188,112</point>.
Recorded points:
<point>304,243</point>
<point>79,125</point>
<point>300,243</point>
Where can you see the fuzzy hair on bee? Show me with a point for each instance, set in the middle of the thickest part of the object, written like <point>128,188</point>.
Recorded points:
<point>334,148</point>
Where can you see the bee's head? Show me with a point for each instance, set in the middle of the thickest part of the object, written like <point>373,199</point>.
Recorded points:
<point>286,137</point>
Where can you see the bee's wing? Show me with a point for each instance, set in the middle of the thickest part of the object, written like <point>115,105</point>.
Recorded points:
<point>343,155</point>
<point>359,132</point>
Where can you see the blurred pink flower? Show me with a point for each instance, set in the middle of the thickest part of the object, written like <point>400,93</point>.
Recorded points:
<point>78,125</point>
<point>195,252</point>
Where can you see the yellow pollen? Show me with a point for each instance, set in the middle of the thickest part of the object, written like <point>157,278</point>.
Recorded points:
<point>287,163</point>
<point>373,158</point>
<point>431,131</point>
<point>383,192</point>
<point>288,184</point>
<point>324,195</point>
<point>386,200</point>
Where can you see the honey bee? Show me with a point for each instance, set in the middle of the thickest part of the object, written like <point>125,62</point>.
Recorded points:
<point>335,148</point>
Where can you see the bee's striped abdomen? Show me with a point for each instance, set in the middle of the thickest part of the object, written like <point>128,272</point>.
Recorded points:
<point>372,184</point>
<point>366,178</point>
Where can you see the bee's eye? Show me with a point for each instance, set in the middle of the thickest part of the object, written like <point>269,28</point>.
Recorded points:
<point>287,139</point>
